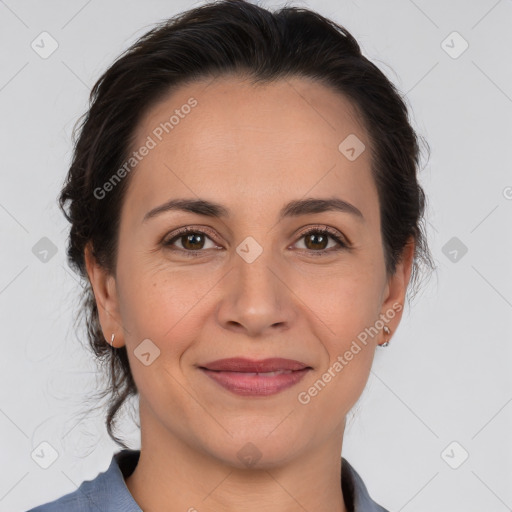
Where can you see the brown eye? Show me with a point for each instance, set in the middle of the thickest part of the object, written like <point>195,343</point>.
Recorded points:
<point>317,241</point>
<point>190,241</point>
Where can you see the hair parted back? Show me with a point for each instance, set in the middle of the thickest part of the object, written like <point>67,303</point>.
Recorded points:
<point>221,38</point>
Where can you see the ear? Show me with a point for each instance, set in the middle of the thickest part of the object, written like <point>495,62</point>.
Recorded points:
<point>396,289</point>
<point>105,293</point>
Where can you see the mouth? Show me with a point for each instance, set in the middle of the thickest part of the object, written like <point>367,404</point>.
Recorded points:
<point>256,378</point>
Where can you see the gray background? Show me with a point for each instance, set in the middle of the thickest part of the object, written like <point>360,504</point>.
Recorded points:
<point>445,376</point>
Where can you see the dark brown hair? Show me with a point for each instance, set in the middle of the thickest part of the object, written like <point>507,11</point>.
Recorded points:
<point>221,38</point>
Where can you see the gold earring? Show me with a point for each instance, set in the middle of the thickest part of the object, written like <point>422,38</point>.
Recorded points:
<point>112,340</point>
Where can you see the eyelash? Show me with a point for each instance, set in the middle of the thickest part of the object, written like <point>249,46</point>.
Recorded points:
<point>323,230</point>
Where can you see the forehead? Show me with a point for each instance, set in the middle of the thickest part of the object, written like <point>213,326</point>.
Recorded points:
<point>229,140</point>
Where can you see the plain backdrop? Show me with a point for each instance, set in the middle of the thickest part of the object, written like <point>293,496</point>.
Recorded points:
<point>432,429</point>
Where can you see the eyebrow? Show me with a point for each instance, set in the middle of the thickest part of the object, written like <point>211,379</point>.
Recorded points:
<point>294,208</point>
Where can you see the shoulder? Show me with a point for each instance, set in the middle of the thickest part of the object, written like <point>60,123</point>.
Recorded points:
<point>84,499</point>
<point>107,491</point>
<point>355,493</point>
<point>72,501</point>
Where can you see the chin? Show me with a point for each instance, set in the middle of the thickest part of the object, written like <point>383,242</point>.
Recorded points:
<point>256,448</point>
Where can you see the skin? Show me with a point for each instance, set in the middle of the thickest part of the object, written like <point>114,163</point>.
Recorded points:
<point>251,148</point>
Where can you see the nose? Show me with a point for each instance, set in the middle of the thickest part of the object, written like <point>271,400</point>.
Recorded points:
<point>256,298</point>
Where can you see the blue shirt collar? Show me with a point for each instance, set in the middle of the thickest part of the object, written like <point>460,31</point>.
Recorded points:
<point>108,491</point>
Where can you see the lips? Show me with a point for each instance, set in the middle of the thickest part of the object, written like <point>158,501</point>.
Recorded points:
<point>240,364</point>
<point>256,378</point>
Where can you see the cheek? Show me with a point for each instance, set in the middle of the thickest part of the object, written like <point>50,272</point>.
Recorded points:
<point>346,308</point>
<point>163,304</point>
<point>334,390</point>
<point>340,309</point>
<point>162,307</point>
<point>345,300</point>
<point>155,303</point>
<point>339,382</point>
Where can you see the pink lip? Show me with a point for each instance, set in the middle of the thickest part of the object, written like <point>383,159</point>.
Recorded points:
<point>242,364</point>
<point>246,377</point>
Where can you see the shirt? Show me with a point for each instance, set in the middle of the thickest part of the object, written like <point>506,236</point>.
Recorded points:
<point>108,491</point>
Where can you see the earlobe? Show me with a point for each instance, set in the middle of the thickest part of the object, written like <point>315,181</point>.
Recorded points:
<point>105,294</point>
<point>396,287</point>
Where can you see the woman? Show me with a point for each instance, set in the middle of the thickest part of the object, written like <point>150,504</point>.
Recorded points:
<point>244,202</point>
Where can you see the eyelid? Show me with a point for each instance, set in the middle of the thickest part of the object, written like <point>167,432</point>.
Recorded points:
<point>192,227</point>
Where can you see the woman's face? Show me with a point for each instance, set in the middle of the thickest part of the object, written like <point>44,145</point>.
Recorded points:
<point>249,281</point>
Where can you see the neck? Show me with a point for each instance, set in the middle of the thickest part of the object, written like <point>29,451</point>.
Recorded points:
<point>173,476</point>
